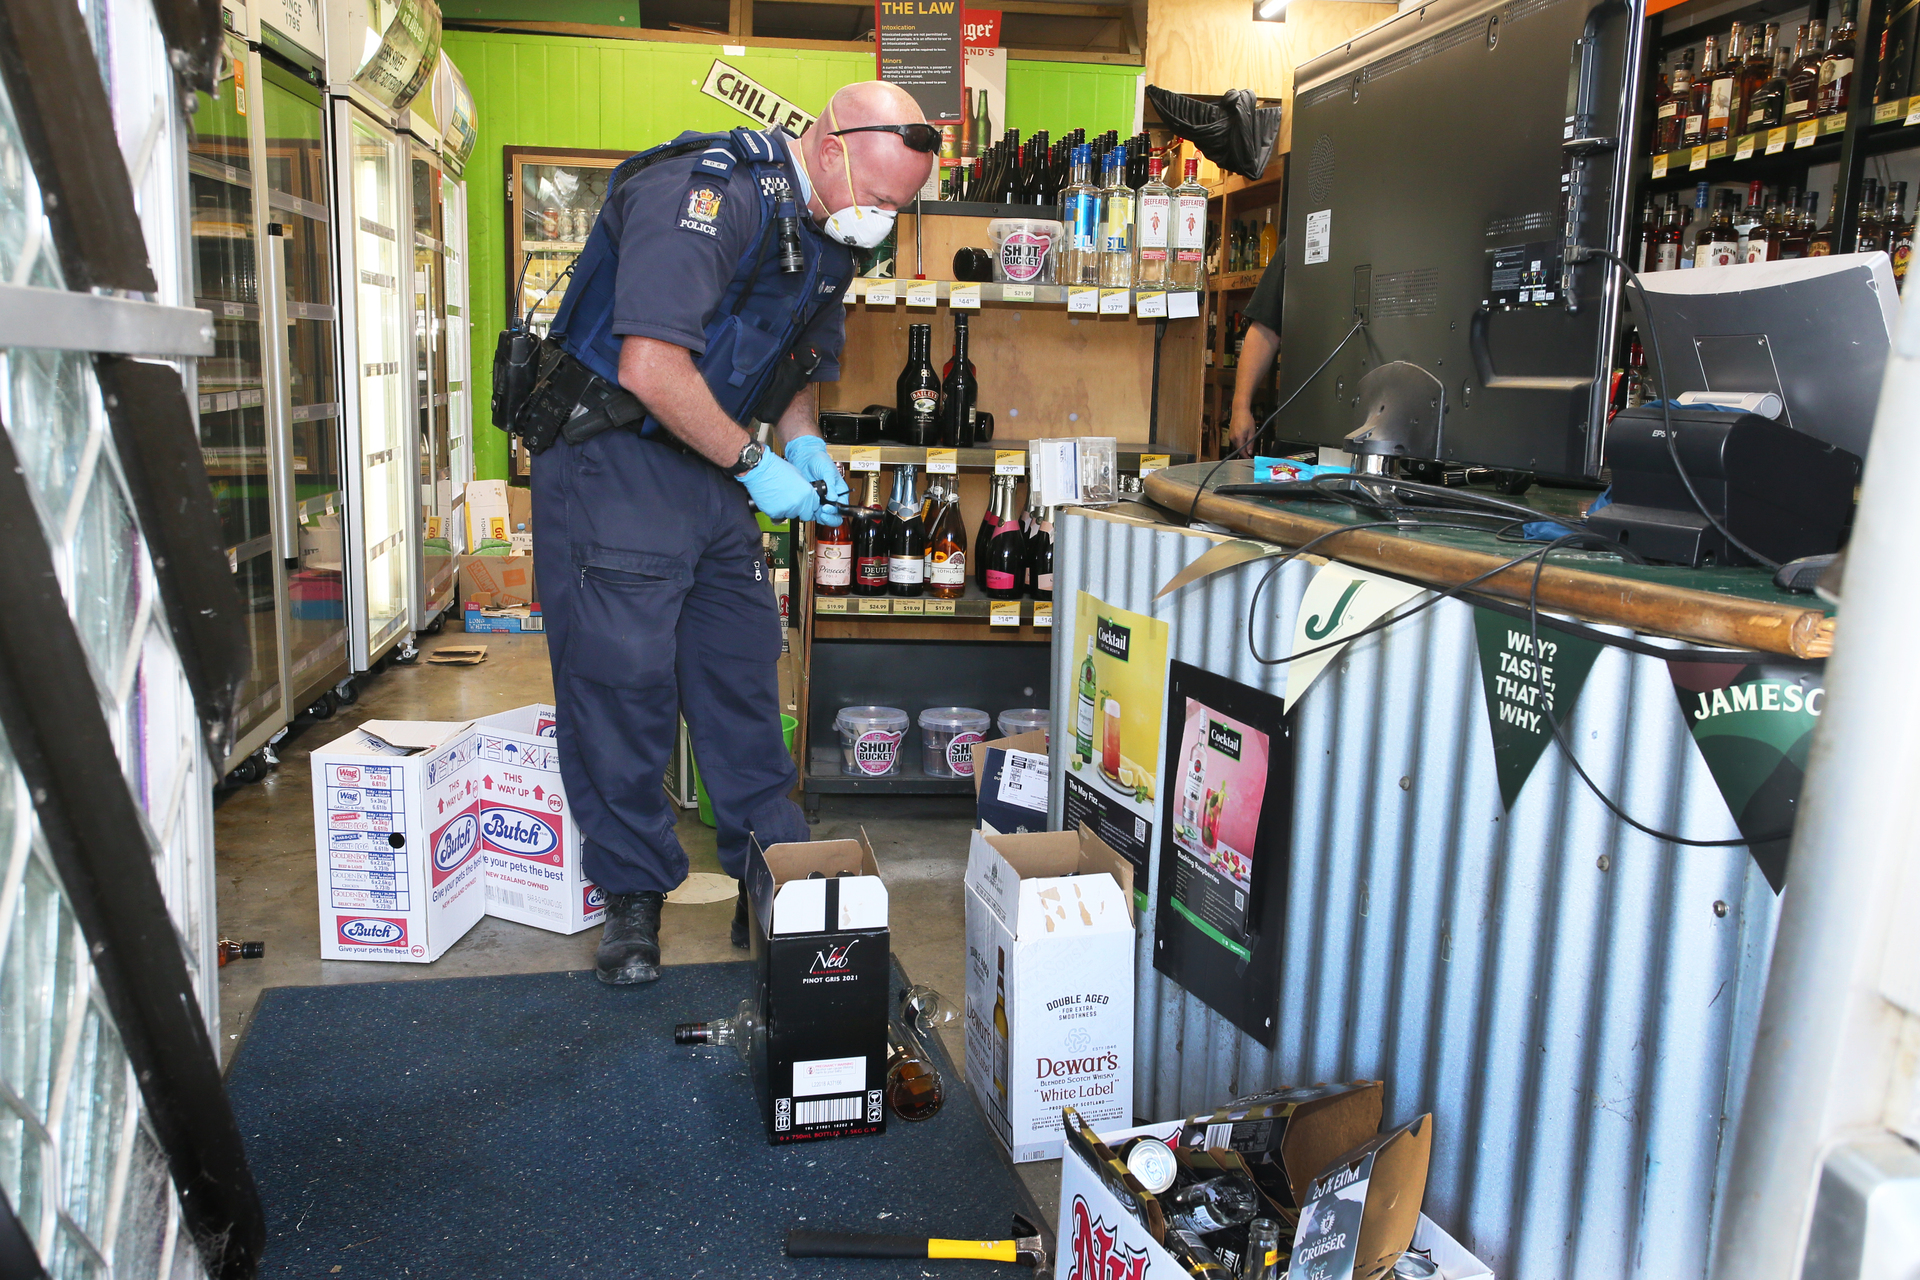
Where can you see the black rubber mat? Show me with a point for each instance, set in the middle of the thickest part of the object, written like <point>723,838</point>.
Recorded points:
<point>544,1125</point>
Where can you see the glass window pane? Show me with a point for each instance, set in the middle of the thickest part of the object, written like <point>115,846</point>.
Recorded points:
<point>49,413</point>
<point>26,251</point>
<point>96,1107</point>
<point>22,1175</point>
<point>36,987</point>
<point>143,1214</point>
<point>105,587</point>
<point>72,1260</point>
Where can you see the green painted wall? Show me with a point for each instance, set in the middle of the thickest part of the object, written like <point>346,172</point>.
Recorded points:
<point>555,91</point>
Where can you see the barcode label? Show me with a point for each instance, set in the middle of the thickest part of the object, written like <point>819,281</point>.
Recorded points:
<point>826,1111</point>
<point>1023,780</point>
<point>1219,1135</point>
<point>508,897</point>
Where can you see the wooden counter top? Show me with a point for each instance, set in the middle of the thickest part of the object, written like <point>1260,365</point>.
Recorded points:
<point>1738,608</point>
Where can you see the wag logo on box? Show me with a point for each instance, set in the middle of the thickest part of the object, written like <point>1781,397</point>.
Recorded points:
<point>592,899</point>
<point>371,931</point>
<point>346,775</point>
<point>454,844</point>
<point>533,836</point>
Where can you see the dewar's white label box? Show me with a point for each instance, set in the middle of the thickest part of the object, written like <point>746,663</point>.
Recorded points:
<point>396,815</point>
<point>1050,941</point>
<point>528,840</point>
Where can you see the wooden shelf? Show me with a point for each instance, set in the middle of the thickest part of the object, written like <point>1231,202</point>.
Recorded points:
<point>973,607</point>
<point>984,458</point>
<point>1237,280</point>
<point>1043,295</point>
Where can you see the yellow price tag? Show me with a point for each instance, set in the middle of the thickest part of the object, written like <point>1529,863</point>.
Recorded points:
<point>1777,140</point>
<point>923,293</point>
<point>1151,304</point>
<point>876,606</point>
<point>1043,613</point>
<point>1745,150</point>
<point>1084,300</point>
<point>940,606</point>
<point>1717,150</point>
<point>943,462</point>
<point>829,604</point>
<point>1805,133</point>
<point>1115,302</point>
<point>1003,613</point>
<point>881,293</point>
<point>1887,112</point>
<point>863,458</point>
<point>905,605</point>
<point>964,297</point>
<point>1009,462</point>
<point>1152,462</point>
<point>1016,292</point>
<point>1699,160</point>
<point>1660,165</point>
<point>1913,111</point>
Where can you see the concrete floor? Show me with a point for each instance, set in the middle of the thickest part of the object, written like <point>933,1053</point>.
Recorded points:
<point>268,888</point>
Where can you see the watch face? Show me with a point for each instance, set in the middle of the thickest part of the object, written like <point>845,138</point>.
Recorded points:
<point>750,455</point>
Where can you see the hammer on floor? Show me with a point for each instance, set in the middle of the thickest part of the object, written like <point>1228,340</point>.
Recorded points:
<point>1026,1246</point>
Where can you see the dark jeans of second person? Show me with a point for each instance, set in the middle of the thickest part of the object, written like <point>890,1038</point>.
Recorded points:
<point>658,603</point>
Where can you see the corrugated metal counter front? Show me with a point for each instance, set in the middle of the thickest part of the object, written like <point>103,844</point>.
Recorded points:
<point>1575,1002</point>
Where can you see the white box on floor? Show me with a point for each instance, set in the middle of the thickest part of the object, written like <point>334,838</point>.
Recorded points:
<point>1050,942</point>
<point>528,840</point>
<point>397,825</point>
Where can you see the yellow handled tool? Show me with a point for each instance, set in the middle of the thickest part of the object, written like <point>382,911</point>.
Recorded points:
<point>1026,1246</point>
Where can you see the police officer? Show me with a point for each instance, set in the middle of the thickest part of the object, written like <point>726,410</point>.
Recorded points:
<point>714,274</point>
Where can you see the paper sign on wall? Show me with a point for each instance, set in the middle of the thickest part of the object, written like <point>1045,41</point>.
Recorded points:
<point>738,90</point>
<point>1339,602</point>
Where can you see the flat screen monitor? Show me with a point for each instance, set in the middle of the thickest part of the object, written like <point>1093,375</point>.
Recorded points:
<point>1813,331</point>
<point>1439,162</point>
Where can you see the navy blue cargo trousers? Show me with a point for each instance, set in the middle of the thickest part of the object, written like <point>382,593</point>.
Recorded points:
<point>658,603</point>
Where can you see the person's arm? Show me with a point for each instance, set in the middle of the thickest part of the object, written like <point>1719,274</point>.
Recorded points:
<point>802,417</point>
<point>662,377</point>
<point>1257,351</point>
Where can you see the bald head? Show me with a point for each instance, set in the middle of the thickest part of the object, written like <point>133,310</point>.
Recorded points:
<point>884,170</point>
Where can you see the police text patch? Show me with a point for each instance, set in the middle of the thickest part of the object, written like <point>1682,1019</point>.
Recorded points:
<point>703,206</point>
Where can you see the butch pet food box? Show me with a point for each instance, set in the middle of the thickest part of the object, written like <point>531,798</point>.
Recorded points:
<point>528,840</point>
<point>1049,985</point>
<point>396,814</point>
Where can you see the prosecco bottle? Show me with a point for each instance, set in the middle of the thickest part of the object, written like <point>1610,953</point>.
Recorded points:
<point>906,538</point>
<point>947,549</point>
<point>1039,552</point>
<point>989,525</point>
<point>1005,552</point>
<point>869,543</point>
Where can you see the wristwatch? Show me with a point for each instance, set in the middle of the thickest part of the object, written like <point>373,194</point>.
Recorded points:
<point>750,454</point>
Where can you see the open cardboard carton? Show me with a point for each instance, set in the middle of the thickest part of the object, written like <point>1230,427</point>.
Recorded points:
<point>1050,941</point>
<point>821,950</point>
<point>1001,801</point>
<point>1283,1139</point>
<point>1361,1212</point>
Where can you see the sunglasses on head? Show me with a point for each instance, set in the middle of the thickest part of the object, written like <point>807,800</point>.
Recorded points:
<point>923,138</point>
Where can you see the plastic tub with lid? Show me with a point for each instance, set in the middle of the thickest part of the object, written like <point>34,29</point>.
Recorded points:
<point>870,740</point>
<point>1017,720</point>
<point>947,735</point>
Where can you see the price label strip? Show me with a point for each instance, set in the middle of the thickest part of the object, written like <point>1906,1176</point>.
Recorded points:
<point>964,297</point>
<point>880,293</point>
<point>1043,613</point>
<point>830,604</point>
<point>1805,133</point>
<point>1003,613</point>
<point>876,606</point>
<point>1777,140</point>
<point>1745,150</point>
<point>1913,111</point>
<point>1016,292</point>
<point>1889,111</point>
<point>923,293</point>
<point>904,605</point>
<point>1009,462</point>
<point>863,458</point>
<point>943,462</point>
<point>1152,462</point>
<point>1115,302</point>
<point>1699,161</point>
<point>1152,305</point>
<point>1660,165</point>
<point>941,607</point>
<point>1086,301</point>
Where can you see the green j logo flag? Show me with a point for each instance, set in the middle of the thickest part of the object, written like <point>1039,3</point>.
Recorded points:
<point>1521,690</point>
<point>1753,724</point>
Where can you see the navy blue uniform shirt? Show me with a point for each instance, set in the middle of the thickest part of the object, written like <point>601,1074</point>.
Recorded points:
<point>679,242</point>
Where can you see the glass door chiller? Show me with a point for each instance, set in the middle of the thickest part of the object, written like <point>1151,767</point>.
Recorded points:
<point>429,297</point>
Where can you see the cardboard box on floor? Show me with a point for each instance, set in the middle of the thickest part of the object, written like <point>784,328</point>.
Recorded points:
<point>528,840</point>
<point>498,582</point>
<point>496,512</point>
<point>1361,1211</point>
<point>1285,1138</point>
<point>1050,941</point>
<point>1011,801</point>
<point>396,817</point>
<point>821,952</point>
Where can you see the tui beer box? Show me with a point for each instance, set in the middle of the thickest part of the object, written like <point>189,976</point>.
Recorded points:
<point>529,843</point>
<point>396,817</point>
<point>1049,985</point>
<point>820,944</point>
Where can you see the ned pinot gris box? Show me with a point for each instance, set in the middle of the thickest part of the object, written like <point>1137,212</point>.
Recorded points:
<point>396,817</point>
<point>821,948</point>
<point>529,843</point>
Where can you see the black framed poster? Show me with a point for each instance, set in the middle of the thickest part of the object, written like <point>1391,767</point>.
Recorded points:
<point>1225,846</point>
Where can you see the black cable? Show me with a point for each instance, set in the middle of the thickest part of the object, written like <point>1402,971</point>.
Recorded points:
<point>1566,748</point>
<point>1199,493</point>
<point>1666,414</point>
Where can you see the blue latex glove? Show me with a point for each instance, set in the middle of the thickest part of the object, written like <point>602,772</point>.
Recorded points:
<point>808,454</point>
<point>780,491</point>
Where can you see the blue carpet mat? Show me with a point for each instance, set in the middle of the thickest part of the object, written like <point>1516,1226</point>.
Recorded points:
<point>540,1125</point>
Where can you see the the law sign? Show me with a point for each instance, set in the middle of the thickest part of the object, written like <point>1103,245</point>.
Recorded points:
<point>739,90</point>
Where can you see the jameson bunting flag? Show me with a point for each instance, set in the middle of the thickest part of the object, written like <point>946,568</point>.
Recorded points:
<point>1521,692</point>
<point>1753,723</point>
<point>1338,604</point>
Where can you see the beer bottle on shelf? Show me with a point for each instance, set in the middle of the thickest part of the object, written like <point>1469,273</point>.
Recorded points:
<point>833,556</point>
<point>989,525</point>
<point>1005,551</point>
<point>906,537</point>
<point>1039,557</point>
<point>869,543</point>
<point>1899,235</point>
<point>947,548</point>
<point>959,392</point>
<point>917,390</point>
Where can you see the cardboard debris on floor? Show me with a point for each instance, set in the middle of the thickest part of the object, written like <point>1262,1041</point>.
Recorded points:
<point>458,656</point>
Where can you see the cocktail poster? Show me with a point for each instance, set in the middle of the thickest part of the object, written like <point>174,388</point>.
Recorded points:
<point>1226,846</point>
<point>1120,693</point>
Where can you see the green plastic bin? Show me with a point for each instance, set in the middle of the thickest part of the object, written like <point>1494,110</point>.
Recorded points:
<point>787,725</point>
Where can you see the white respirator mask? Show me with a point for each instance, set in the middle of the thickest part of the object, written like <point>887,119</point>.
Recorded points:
<point>861,226</point>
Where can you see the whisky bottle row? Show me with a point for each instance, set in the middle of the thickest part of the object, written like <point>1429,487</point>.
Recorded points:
<point>1750,80</point>
<point>917,546</point>
<point>1768,226</point>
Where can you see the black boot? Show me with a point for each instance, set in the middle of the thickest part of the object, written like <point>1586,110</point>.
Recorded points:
<point>630,942</point>
<point>741,934</point>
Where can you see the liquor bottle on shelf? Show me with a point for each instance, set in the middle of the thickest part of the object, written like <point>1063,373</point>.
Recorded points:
<point>1803,80</point>
<point>1080,211</point>
<point>1897,33</point>
<point>833,556</point>
<point>1662,111</point>
<point>1006,186</point>
<point>947,549</point>
<point>1718,242</point>
<point>1834,80</point>
<point>1755,76</point>
<point>989,525</point>
<point>1694,129</point>
<point>1899,235</point>
<point>1636,373</point>
<point>1665,251</point>
<point>1189,241</point>
<point>906,537</point>
<point>1868,235</point>
<point>1154,270</point>
<point>1748,219</point>
<point>1820,243</point>
<point>1649,236</point>
<point>959,392</point>
<point>1039,557</point>
<point>1004,552</point>
<point>917,390</point>
<point>1723,106</point>
<point>1679,104</point>
<point>1767,100</point>
<point>1763,238</point>
<point>1116,244</point>
<point>1799,224</point>
<point>869,543</point>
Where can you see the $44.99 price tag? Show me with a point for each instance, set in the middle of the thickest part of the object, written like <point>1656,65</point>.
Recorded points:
<point>1003,613</point>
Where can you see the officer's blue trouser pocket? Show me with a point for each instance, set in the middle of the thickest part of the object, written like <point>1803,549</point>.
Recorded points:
<point>626,606</point>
